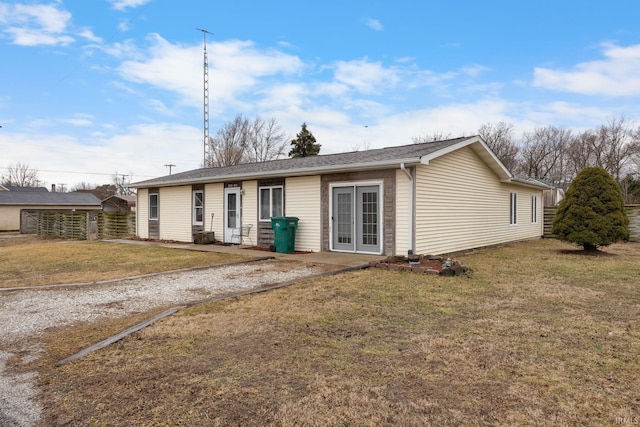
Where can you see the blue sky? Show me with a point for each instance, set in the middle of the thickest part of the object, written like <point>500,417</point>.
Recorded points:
<point>90,88</point>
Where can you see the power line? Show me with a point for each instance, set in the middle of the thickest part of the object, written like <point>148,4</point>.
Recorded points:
<point>76,172</point>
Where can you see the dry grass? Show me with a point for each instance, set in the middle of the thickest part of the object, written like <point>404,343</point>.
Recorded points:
<point>539,335</point>
<point>30,261</point>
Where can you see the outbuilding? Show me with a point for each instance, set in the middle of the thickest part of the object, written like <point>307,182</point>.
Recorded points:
<point>19,206</point>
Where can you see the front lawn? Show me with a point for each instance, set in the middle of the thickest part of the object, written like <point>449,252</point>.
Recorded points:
<point>31,261</point>
<point>540,334</point>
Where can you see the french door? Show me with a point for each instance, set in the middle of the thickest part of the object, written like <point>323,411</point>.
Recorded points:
<point>356,218</point>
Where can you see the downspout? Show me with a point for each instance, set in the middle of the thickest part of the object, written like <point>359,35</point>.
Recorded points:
<point>411,210</point>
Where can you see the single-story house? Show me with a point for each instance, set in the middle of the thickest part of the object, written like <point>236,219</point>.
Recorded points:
<point>429,198</point>
<point>19,206</point>
<point>119,203</point>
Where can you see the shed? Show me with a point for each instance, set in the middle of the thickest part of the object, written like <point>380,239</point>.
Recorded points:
<point>18,207</point>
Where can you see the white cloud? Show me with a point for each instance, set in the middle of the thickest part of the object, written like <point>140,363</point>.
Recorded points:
<point>88,34</point>
<point>365,76</point>
<point>235,67</point>
<point>35,24</point>
<point>374,24</point>
<point>141,150</point>
<point>124,4</point>
<point>615,75</point>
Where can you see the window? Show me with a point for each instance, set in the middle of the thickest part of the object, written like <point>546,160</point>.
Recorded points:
<point>198,207</point>
<point>153,206</point>
<point>513,208</point>
<point>271,202</point>
<point>534,209</point>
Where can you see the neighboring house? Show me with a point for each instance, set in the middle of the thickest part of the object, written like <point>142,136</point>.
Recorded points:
<point>30,189</point>
<point>119,203</point>
<point>428,198</point>
<point>19,206</point>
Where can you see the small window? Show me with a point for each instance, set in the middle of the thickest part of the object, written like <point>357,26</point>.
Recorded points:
<point>271,202</point>
<point>513,208</point>
<point>534,209</point>
<point>198,207</point>
<point>153,206</point>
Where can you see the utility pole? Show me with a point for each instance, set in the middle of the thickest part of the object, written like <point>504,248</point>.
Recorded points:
<point>205,110</point>
<point>169,166</point>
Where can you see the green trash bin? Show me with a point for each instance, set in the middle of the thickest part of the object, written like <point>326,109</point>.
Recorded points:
<point>284,233</point>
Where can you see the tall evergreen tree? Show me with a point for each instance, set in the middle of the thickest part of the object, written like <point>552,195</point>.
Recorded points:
<point>592,214</point>
<point>305,144</point>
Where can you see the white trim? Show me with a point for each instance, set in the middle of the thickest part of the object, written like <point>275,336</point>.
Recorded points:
<point>485,153</point>
<point>157,194</point>
<point>355,184</point>
<point>513,208</point>
<point>225,213</point>
<point>194,207</point>
<point>534,208</point>
<point>270,188</point>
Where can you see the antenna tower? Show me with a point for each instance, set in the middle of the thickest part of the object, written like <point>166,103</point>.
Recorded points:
<point>205,108</point>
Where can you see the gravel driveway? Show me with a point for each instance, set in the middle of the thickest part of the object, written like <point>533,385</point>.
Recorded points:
<point>26,315</point>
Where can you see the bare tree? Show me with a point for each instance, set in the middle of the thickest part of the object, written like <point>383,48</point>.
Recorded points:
<point>580,152</point>
<point>431,137</point>
<point>244,141</point>
<point>230,143</point>
<point>544,154</point>
<point>121,182</point>
<point>499,139</point>
<point>266,140</point>
<point>366,145</point>
<point>615,147</point>
<point>83,186</point>
<point>20,175</point>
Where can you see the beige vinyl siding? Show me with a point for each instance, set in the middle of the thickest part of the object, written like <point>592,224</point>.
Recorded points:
<point>302,200</point>
<point>214,204</point>
<point>175,213</point>
<point>402,213</point>
<point>9,218</point>
<point>461,204</point>
<point>250,208</point>
<point>142,213</point>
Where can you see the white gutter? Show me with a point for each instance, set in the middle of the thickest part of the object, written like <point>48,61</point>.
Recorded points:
<point>410,243</point>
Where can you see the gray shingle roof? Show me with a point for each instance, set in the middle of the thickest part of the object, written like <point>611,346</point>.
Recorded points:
<point>30,189</point>
<point>322,163</point>
<point>45,198</point>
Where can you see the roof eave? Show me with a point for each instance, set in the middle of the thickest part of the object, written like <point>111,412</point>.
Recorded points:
<point>527,183</point>
<point>282,173</point>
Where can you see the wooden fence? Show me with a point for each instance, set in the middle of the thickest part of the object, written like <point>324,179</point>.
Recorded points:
<point>86,225</point>
<point>63,224</point>
<point>116,225</point>
<point>633,212</point>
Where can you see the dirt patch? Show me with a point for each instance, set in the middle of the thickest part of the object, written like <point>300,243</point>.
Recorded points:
<point>423,264</point>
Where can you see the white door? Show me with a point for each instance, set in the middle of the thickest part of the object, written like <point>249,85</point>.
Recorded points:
<point>356,218</point>
<point>231,213</point>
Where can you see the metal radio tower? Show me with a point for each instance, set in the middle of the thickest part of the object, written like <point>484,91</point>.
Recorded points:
<point>205,118</point>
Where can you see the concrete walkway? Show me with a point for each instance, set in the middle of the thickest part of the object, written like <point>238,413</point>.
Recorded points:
<point>334,258</point>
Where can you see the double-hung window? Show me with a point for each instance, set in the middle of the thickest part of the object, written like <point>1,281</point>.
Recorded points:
<point>198,207</point>
<point>153,206</point>
<point>513,208</point>
<point>271,202</point>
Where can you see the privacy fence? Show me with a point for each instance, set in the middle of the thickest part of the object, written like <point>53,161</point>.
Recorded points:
<point>85,225</point>
<point>633,212</point>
